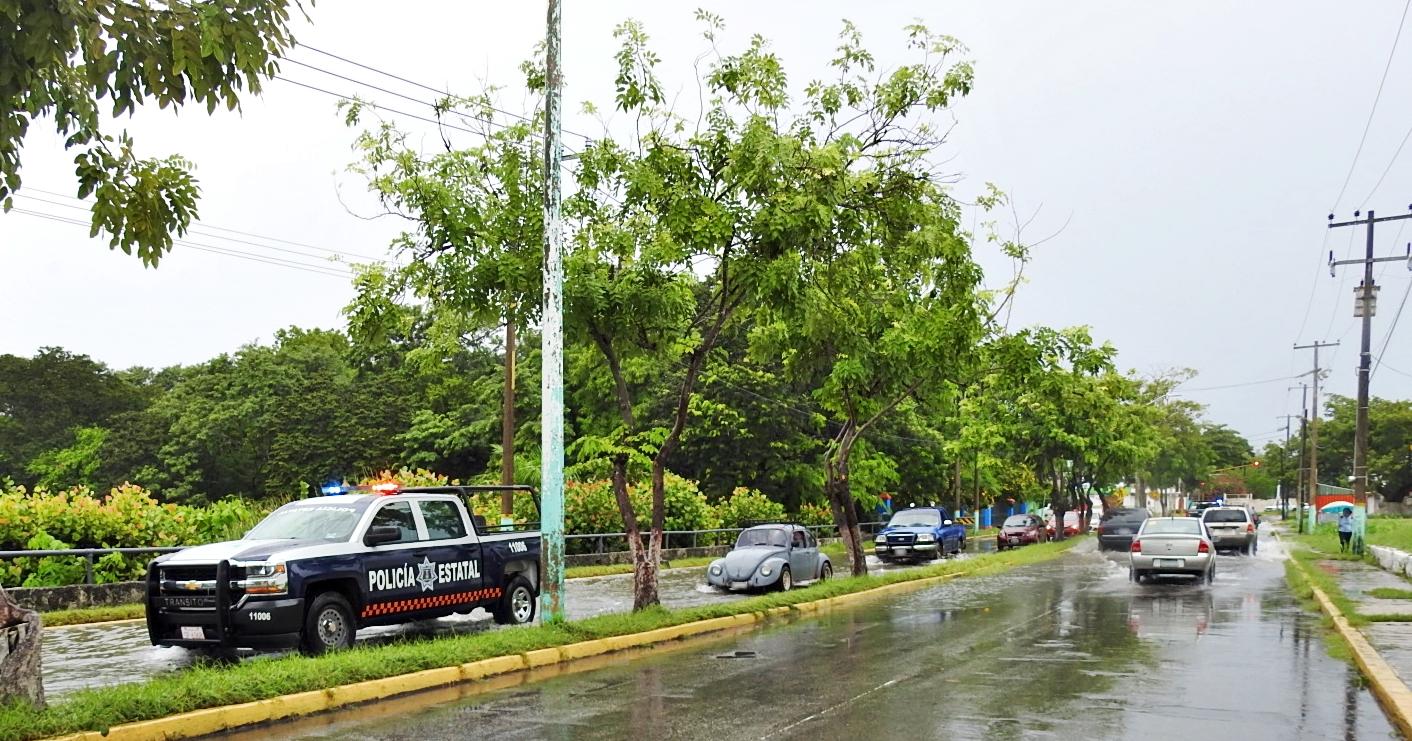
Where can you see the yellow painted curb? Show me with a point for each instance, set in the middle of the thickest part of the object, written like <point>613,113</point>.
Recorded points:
<point>1392,693</point>
<point>214,720</point>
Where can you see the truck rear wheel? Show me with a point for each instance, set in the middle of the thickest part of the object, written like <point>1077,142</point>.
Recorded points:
<point>328,625</point>
<point>517,605</point>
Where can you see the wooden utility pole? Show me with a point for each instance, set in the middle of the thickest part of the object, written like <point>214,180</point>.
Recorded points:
<point>507,423</point>
<point>1283,493</point>
<point>1365,306</point>
<point>1312,490</point>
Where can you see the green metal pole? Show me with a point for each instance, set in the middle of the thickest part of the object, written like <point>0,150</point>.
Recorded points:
<point>552,339</point>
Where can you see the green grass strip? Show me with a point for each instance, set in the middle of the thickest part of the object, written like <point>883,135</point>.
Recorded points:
<point>81,615</point>
<point>1327,583</point>
<point>1390,593</point>
<point>212,685</point>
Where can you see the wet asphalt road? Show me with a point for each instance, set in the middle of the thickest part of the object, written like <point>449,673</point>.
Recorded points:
<point>102,655</point>
<point>1066,650</point>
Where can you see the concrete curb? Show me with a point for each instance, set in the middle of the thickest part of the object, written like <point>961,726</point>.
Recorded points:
<point>1392,693</point>
<point>228,717</point>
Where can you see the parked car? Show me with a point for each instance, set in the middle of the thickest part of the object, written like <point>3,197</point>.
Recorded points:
<point>779,556</point>
<point>1018,530</point>
<point>1172,546</point>
<point>1116,529</point>
<point>316,571</point>
<point>1071,525</point>
<point>1231,527</point>
<point>918,534</point>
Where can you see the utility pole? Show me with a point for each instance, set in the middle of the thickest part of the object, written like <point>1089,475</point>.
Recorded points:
<point>552,325</point>
<point>1303,442</point>
<point>1281,493</point>
<point>1312,490</point>
<point>507,424</point>
<point>1365,306</point>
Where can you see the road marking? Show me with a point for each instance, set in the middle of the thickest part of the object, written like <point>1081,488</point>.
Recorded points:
<point>833,707</point>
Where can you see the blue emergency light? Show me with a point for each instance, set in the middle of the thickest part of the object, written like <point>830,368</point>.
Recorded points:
<point>333,488</point>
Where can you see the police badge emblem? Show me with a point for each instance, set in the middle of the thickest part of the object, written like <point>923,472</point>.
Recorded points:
<point>426,574</point>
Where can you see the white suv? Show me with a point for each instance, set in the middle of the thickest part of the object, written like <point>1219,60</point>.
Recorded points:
<point>1231,527</point>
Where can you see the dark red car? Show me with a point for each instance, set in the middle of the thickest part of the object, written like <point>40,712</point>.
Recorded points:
<point>1018,530</point>
<point>1071,524</point>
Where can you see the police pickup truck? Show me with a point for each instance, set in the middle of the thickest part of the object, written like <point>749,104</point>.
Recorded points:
<point>316,570</point>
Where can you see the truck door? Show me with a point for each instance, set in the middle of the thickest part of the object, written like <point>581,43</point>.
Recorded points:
<point>395,574</point>
<point>455,552</point>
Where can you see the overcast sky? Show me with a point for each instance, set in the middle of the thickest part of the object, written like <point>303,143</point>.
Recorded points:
<point>1193,149</point>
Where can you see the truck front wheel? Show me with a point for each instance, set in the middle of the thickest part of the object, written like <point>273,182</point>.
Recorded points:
<point>517,605</point>
<point>328,625</point>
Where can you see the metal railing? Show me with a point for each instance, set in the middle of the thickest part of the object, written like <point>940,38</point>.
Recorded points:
<point>88,555</point>
<point>670,539</point>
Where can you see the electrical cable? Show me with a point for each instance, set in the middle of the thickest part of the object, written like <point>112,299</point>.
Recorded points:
<point>1391,328</point>
<point>1378,96</point>
<point>213,249</point>
<point>414,83</point>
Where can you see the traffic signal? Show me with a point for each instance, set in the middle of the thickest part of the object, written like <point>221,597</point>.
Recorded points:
<point>1255,463</point>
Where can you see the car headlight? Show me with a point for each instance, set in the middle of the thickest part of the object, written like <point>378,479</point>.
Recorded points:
<point>766,571</point>
<point>263,578</point>
<point>715,569</point>
<point>880,539</point>
<point>926,538</point>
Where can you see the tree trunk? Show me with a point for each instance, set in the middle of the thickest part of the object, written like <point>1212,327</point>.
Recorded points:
<point>644,567</point>
<point>840,493</point>
<point>644,560</point>
<point>507,423</point>
<point>1057,503</point>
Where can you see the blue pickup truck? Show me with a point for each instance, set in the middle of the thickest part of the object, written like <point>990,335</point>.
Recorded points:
<point>315,571</point>
<point>919,534</point>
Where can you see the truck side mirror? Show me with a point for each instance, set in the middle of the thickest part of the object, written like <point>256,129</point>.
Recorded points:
<point>379,534</point>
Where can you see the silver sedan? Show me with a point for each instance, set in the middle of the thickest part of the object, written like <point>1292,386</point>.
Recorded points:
<point>1172,546</point>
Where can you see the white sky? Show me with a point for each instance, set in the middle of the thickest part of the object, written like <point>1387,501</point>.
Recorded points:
<point>1194,148</point>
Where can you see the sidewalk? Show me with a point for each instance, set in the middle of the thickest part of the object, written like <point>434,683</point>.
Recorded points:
<point>1393,640</point>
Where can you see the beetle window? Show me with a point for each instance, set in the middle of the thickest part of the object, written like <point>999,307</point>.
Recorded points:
<point>799,539</point>
<point>398,515</point>
<point>443,520</point>
<point>762,536</point>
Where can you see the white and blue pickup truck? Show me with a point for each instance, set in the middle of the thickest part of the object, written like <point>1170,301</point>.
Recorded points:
<point>315,571</point>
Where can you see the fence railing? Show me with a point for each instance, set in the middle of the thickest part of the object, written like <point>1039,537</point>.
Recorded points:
<point>599,541</point>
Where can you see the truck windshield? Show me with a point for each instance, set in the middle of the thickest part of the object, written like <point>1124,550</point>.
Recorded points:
<point>915,518</point>
<point>299,521</point>
<point>762,536</point>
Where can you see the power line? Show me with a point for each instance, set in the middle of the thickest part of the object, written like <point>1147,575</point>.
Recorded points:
<point>1392,328</point>
<point>205,225</point>
<point>1387,169</point>
<point>213,249</point>
<point>1232,386</point>
<point>414,83</point>
<point>1374,109</point>
<point>217,236</point>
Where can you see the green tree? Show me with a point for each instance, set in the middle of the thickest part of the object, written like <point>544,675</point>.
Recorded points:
<point>44,398</point>
<point>62,59</point>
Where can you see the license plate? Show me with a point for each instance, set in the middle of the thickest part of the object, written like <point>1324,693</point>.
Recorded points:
<point>739,584</point>
<point>1014,540</point>
<point>899,549</point>
<point>192,633</point>
<point>1168,563</point>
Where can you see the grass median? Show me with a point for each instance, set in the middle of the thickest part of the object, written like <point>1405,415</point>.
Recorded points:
<point>213,685</point>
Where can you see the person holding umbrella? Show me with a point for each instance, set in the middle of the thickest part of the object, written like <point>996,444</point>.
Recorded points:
<point>1345,529</point>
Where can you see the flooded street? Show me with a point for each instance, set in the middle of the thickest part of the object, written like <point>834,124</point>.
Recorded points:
<point>100,655</point>
<point>1068,650</point>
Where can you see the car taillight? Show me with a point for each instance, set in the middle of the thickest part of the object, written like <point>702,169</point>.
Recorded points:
<point>1203,547</point>
<point>1136,546</point>
<point>1250,528</point>
<point>1099,529</point>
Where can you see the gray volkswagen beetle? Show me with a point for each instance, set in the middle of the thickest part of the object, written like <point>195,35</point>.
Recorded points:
<point>770,557</point>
